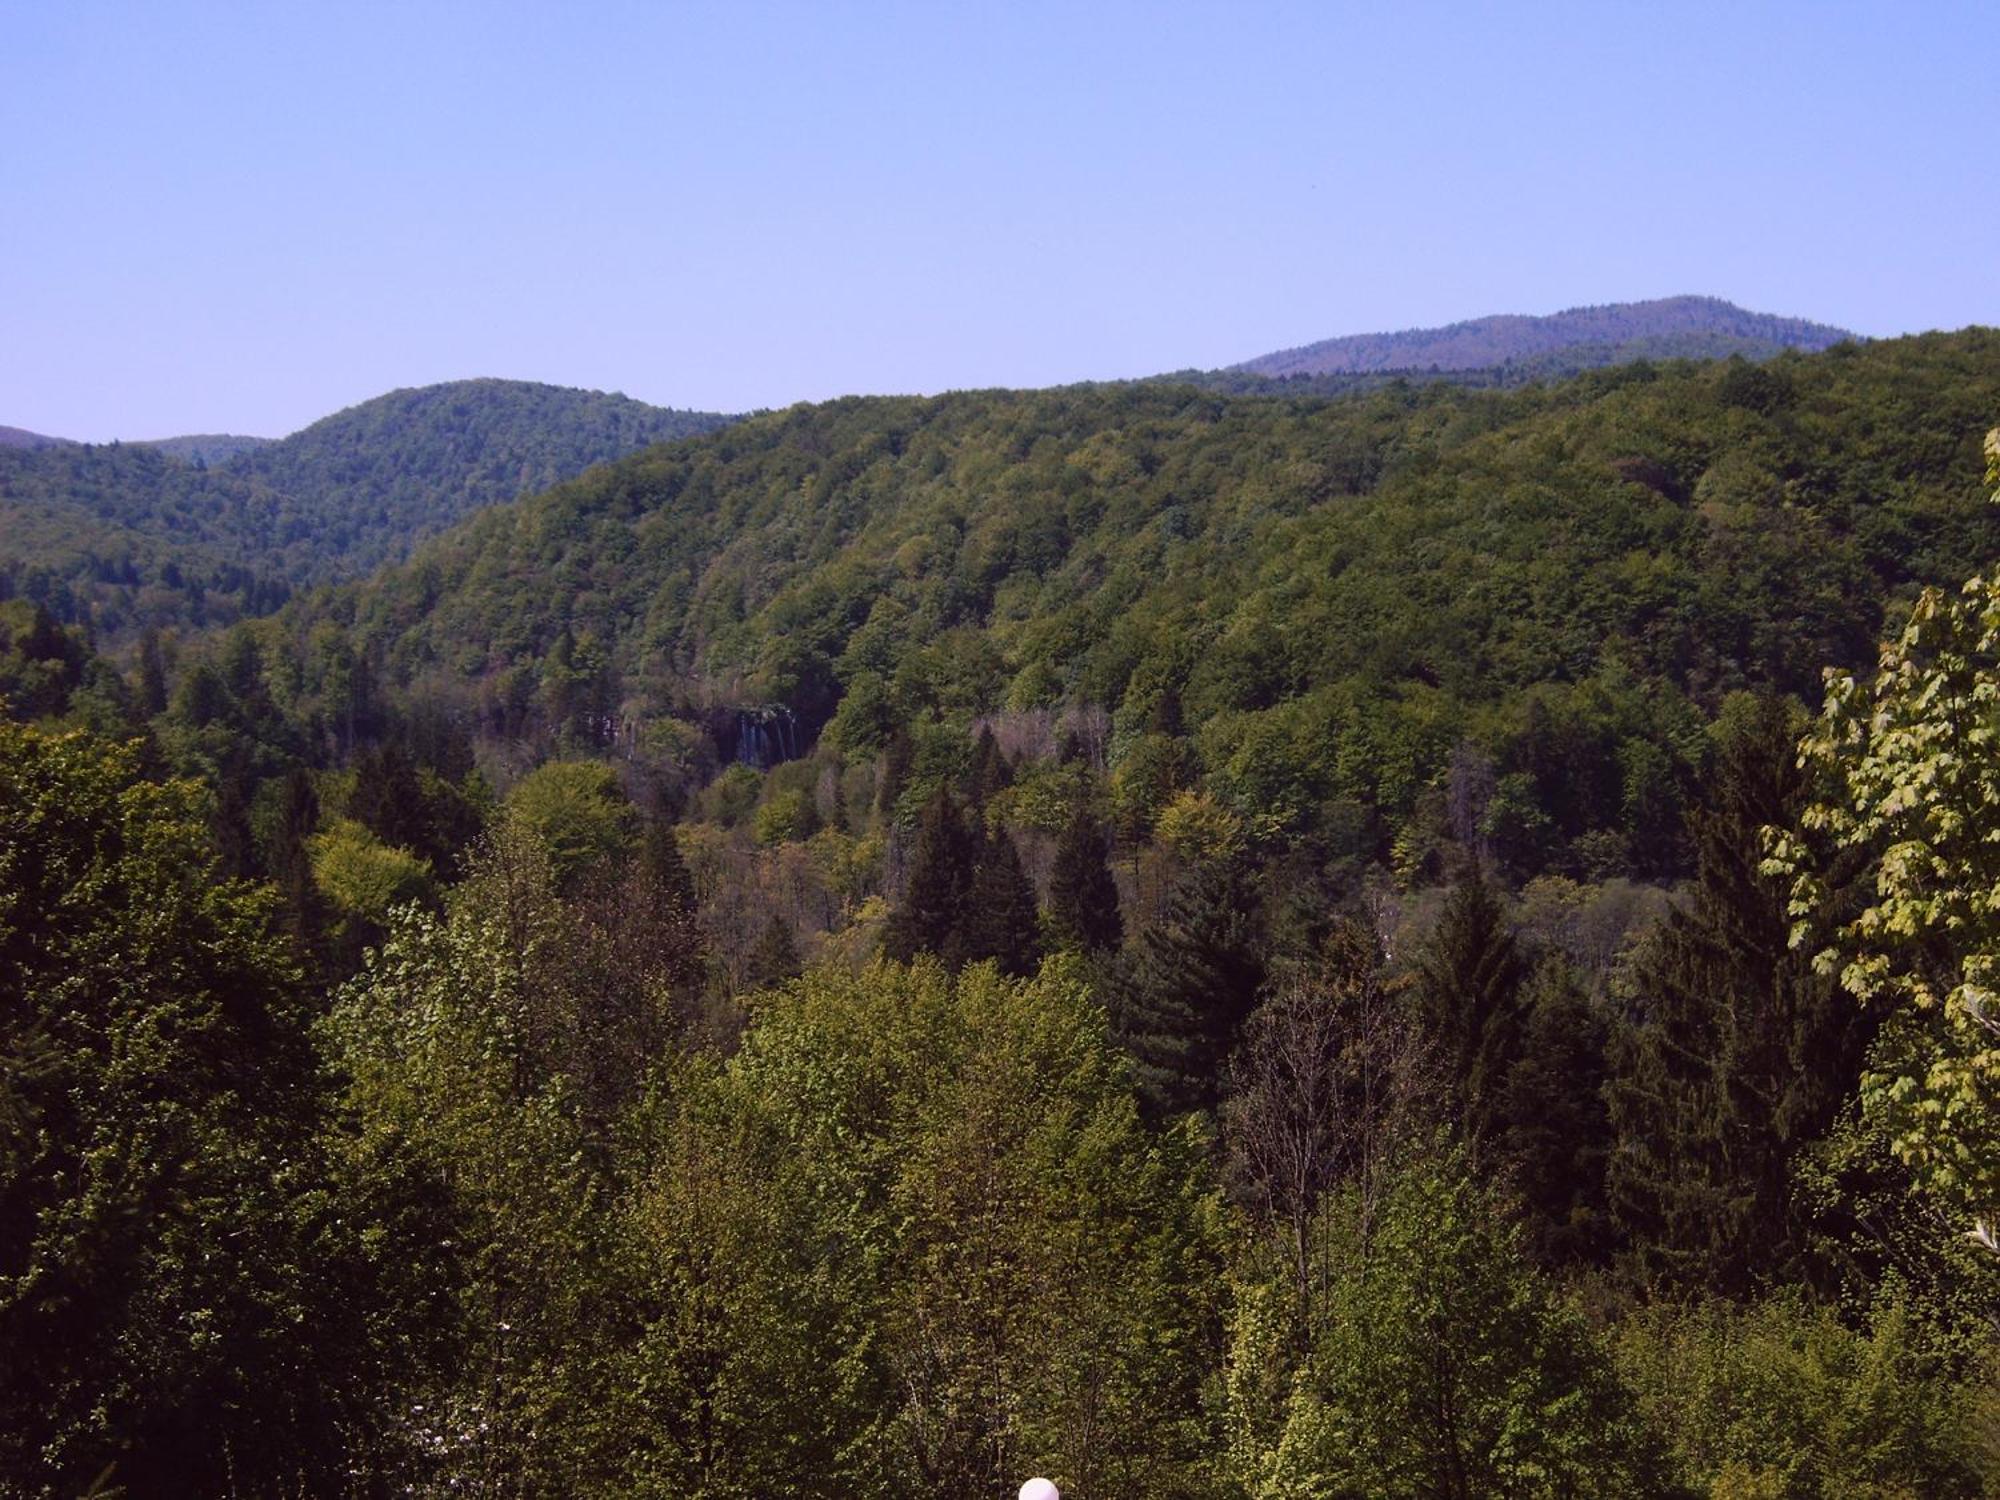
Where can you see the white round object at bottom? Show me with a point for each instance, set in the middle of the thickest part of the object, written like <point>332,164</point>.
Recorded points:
<point>1040,1489</point>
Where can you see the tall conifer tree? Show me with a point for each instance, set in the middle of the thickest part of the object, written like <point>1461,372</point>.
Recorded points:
<point>1734,1054</point>
<point>1551,1127</point>
<point>990,772</point>
<point>1188,989</point>
<point>1469,976</point>
<point>940,880</point>
<point>662,867</point>
<point>1083,896</point>
<point>897,757</point>
<point>999,921</point>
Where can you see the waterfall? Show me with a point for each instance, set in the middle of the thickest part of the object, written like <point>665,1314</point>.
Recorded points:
<point>765,736</point>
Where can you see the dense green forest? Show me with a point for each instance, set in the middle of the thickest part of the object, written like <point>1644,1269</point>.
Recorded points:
<point>199,531</point>
<point>1417,943</point>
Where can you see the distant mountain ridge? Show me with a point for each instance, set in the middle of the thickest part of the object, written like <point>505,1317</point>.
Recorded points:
<point>207,447</point>
<point>1668,327</point>
<point>203,447</point>
<point>20,437</point>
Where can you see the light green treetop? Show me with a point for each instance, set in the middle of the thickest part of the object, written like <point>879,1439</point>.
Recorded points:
<point>1912,766</point>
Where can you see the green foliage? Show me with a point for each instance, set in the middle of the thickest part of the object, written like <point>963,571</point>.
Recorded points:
<point>1197,828</point>
<point>1445,1367</point>
<point>1782,1401</point>
<point>733,796</point>
<point>1470,977</point>
<point>787,817</point>
<point>577,811</point>
<point>1187,987</point>
<point>361,876</point>
<point>158,1102</point>
<point>934,905</point>
<point>1083,896</point>
<point>1551,1124</point>
<point>41,664</point>
<point>867,716</point>
<point>1734,1056</point>
<point>999,925</point>
<point>615,1199</point>
<point>1913,782</point>
<point>453,1043</point>
<point>1327,596</point>
<point>1031,1270</point>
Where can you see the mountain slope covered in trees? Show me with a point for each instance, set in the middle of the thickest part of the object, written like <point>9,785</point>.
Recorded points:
<point>1316,598</point>
<point>201,530</point>
<point>1206,948</point>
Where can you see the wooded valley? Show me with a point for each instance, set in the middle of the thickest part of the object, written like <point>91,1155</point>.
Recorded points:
<point>1204,939</point>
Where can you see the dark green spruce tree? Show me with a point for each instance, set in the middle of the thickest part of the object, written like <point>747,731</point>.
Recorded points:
<point>1083,896</point>
<point>388,798</point>
<point>990,773</point>
<point>662,868</point>
<point>1468,994</point>
<point>1733,1054</point>
<point>152,697</point>
<point>897,757</point>
<point>292,818</point>
<point>1551,1129</point>
<point>1191,982</point>
<point>774,957</point>
<point>999,921</point>
<point>940,880</point>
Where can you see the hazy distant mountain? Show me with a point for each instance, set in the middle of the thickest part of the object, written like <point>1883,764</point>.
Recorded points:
<point>20,437</point>
<point>196,529</point>
<point>1671,327</point>
<point>207,447</point>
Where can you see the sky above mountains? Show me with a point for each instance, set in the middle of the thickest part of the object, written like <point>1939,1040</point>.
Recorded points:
<point>223,217</point>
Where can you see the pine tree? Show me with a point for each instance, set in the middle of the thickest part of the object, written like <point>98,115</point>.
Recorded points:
<point>1735,1054</point>
<point>285,854</point>
<point>1083,896</point>
<point>657,914</point>
<point>990,772</point>
<point>774,957</point>
<point>1551,1126</point>
<point>897,757</point>
<point>1188,989</point>
<point>999,921</point>
<point>388,799</point>
<point>940,877</point>
<point>1468,992</point>
<point>152,675</point>
<point>661,867</point>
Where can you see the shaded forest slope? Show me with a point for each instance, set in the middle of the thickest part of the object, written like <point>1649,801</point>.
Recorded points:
<point>1365,579</point>
<point>128,535</point>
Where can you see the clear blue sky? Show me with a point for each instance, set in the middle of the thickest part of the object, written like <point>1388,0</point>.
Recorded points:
<point>219,217</point>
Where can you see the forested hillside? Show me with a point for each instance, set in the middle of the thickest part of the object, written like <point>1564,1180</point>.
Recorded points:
<point>1232,948</point>
<point>205,530</point>
<point>387,472</point>
<point>1302,605</point>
